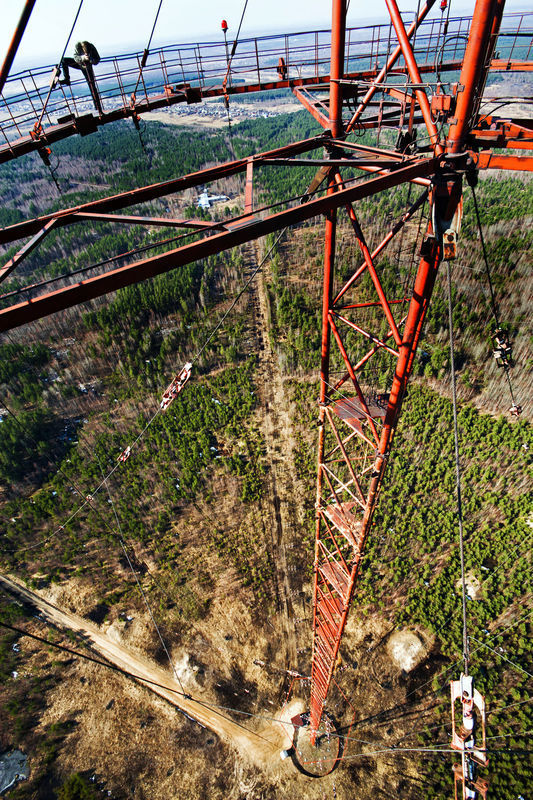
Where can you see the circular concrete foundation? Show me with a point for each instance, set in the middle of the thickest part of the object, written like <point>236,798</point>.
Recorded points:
<point>321,758</point>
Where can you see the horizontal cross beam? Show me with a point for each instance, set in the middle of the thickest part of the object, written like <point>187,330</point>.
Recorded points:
<point>146,193</point>
<point>99,285</point>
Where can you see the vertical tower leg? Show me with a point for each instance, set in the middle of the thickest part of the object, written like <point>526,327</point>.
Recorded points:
<point>319,686</point>
<point>338,30</point>
<point>356,429</point>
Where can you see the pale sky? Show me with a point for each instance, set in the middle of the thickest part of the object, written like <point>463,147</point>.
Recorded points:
<point>116,26</point>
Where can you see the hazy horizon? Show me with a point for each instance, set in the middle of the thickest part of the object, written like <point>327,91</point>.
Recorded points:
<point>128,24</point>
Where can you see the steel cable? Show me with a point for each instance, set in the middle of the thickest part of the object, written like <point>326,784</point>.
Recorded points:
<point>218,707</point>
<point>139,586</point>
<point>237,298</point>
<point>494,305</point>
<point>52,84</point>
<point>93,493</point>
<point>143,248</point>
<point>146,53</point>
<point>516,666</point>
<point>457,469</point>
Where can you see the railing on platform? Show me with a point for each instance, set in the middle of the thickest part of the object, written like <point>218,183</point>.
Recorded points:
<point>439,44</point>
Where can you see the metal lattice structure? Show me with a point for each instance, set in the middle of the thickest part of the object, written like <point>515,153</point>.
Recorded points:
<point>374,77</point>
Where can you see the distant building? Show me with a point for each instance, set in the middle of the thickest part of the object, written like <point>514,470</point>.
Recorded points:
<point>206,200</point>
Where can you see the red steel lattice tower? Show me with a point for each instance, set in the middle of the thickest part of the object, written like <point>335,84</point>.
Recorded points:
<point>367,324</point>
<point>356,426</point>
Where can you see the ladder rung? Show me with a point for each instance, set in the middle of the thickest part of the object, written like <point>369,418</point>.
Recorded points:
<point>335,575</point>
<point>327,631</point>
<point>324,648</point>
<point>322,610</point>
<point>351,412</point>
<point>345,522</point>
<point>333,604</point>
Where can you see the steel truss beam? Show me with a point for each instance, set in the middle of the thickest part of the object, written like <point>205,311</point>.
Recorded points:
<point>487,160</point>
<point>61,118</point>
<point>242,231</point>
<point>496,132</point>
<point>154,191</point>
<point>391,61</point>
<point>479,49</point>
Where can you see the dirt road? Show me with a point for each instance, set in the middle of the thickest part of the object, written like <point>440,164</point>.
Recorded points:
<point>279,508</point>
<point>262,746</point>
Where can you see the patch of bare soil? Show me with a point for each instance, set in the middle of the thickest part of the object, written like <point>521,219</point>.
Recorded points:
<point>141,741</point>
<point>189,120</point>
<point>472,585</point>
<point>168,687</point>
<point>279,506</point>
<point>406,650</point>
